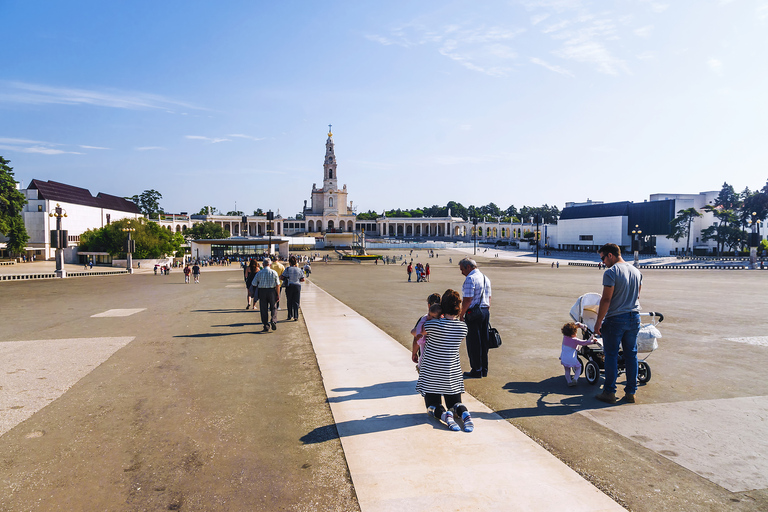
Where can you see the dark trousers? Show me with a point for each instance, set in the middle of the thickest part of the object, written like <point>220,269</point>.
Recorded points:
<point>293,296</point>
<point>267,304</point>
<point>451,401</point>
<point>477,339</point>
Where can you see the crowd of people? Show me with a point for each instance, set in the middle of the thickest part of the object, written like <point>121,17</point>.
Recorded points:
<point>452,316</point>
<point>264,280</point>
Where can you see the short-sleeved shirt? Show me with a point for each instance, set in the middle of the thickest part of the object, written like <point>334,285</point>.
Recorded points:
<point>626,281</point>
<point>294,275</point>
<point>277,267</point>
<point>265,278</point>
<point>477,286</point>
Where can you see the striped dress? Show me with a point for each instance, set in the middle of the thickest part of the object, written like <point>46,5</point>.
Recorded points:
<point>440,367</point>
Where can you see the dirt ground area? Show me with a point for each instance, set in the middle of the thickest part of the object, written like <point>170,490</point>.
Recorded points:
<point>531,302</point>
<point>199,412</point>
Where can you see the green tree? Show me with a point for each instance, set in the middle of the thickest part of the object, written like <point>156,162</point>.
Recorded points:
<point>152,240</point>
<point>206,210</point>
<point>235,212</point>
<point>369,215</point>
<point>259,212</point>
<point>148,203</point>
<point>17,235</point>
<point>206,231</point>
<point>681,226</point>
<point>11,205</point>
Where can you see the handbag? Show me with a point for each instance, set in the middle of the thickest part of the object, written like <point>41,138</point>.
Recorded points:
<point>494,338</point>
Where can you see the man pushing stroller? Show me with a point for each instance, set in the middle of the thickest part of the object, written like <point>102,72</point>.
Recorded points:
<point>618,321</point>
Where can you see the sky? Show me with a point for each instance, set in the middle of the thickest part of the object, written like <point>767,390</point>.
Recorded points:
<point>518,102</point>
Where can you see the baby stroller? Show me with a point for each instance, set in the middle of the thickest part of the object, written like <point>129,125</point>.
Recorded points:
<point>592,357</point>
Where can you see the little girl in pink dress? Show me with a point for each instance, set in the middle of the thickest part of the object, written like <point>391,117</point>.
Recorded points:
<point>568,352</point>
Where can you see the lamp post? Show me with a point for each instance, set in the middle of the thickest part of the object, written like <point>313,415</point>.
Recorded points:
<point>754,239</point>
<point>536,236</point>
<point>59,239</point>
<point>474,233</point>
<point>130,246</point>
<point>270,218</point>
<point>636,243</point>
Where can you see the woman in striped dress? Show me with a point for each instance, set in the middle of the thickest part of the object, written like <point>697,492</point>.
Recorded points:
<point>440,373</point>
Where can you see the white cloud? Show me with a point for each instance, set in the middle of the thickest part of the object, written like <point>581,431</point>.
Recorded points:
<point>716,66</point>
<point>35,94</point>
<point>207,139</point>
<point>49,151</point>
<point>9,140</point>
<point>93,147</point>
<point>645,31</point>
<point>40,147</point>
<point>551,67</point>
<point>150,148</point>
<point>538,18</point>
<point>659,8</point>
<point>249,137</point>
<point>478,48</point>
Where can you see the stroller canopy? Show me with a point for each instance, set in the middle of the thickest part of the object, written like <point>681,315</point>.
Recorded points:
<point>585,309</point>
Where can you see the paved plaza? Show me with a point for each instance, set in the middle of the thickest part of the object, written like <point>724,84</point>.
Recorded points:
<point>142,393</point>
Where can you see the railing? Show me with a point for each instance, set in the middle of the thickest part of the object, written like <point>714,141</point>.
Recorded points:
<point>52,275</point>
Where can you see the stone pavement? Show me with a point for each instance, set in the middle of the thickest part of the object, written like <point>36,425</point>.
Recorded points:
<point>399,458</point>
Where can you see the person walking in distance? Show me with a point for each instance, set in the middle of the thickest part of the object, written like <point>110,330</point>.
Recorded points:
<point>293,277</point>
<point>196,273</point>
<point>618,321</point>
<point>268,286</point>
<point>475,311</point>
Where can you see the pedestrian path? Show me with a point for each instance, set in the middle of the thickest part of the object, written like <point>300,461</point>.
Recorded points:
<point>399,458</point>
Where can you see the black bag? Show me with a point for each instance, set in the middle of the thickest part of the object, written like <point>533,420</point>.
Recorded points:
<point>494,338</point>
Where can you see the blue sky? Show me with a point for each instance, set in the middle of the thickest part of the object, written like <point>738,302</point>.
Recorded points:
<point>511,102</point>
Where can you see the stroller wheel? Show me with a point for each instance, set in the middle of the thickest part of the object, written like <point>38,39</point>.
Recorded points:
<point>583,364</point>
<point>592,372</point>
<point>643,372</point>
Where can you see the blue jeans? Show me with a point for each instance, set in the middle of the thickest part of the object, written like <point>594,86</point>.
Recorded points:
<point>620,330</point>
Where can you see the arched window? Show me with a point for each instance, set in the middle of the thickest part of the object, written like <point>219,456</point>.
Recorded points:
<point>330,202</point>
<point>330,174</point>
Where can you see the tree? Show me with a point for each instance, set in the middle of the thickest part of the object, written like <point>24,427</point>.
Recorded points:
<point>152,240</point>
<point>148,203</point>
<point>206,210</point>
<point>235,212</point>
<point>206,231</point>
<point>258,212</point>
<point>11,205</point>
<point>17,235</point>
<point>369,215</point>
<point>681,226</point>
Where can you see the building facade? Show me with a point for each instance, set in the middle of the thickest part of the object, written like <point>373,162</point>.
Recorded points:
<point>83,211</point>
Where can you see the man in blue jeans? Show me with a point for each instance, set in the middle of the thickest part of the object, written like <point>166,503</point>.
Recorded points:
<point>618,321</point>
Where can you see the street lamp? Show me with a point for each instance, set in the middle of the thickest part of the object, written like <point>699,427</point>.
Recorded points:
<point>59,239</point>
<point>636,233</point>
<point>130,246</point>
<point>474,233</point>
<point>270,218</point>
<point>536,236</point>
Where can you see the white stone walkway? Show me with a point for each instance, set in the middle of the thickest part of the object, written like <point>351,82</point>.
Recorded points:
<point>399,458</point>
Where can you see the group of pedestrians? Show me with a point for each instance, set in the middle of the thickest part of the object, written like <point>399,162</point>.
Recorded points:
<point>451,317</point>
<point>265,284</point>
<point>422,272</point>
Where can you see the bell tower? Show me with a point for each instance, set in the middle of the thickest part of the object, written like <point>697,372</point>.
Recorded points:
<point>330,178</point>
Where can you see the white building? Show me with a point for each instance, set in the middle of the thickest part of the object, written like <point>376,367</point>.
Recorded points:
<point>83,211</point>
<point>329,211</point>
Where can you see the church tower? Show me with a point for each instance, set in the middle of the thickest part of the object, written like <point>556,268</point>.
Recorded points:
<point>329,211</point>
<point>329,175</point>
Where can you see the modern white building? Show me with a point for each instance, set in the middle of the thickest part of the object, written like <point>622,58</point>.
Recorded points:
<point>83,211</point>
